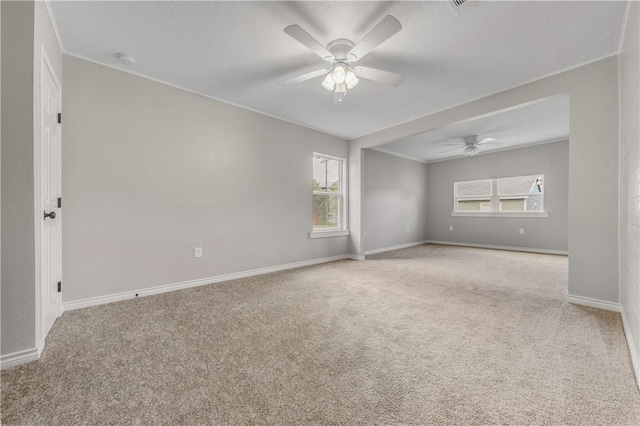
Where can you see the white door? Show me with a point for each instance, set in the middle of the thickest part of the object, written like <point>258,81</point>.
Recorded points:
<point>51,213</point>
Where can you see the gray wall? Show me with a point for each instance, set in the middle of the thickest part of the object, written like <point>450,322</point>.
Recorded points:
<point>395,199</point>
<point>0,155</point>
<point>552,160</point>
<point>150,172</point>
<point>593,157</point>
<point>0,164</point>
<point>629,178</point>
<point>18,254</point>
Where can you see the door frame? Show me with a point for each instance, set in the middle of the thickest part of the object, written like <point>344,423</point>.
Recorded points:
<point>44,66</point>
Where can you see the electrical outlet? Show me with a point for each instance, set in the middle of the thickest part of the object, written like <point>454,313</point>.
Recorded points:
<point>521,231</point>
<point>451,228</point>
<point>197,252</point>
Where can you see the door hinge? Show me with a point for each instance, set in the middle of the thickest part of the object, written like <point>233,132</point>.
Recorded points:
<point>59,118</point>
<point>59,286</point>
<point>59,202</point>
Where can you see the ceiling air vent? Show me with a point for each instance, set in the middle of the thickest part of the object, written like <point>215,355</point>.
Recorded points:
<point>458,6</point>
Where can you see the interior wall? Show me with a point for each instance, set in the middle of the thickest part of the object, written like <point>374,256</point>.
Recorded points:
<point>395,200</point>
<point>18,253</point>
<point>549,233</point>
<point>0,162</point>
<point>630,180</point>
<point>593,158</point>
<point>150,172</point>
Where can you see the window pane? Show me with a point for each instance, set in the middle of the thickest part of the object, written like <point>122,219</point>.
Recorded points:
<point>326,174</point>
<point>535,203</point>
<point>520,185</point>
<point>326,212</point>
<point>473,188</point>
<point>512,205</point>
<point>474,205</point>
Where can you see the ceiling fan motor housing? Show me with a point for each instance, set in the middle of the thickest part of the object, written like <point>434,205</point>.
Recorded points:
<point>340,48</point>
<point>470,139</point>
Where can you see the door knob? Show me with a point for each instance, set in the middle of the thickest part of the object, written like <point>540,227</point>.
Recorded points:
<point>51,215</point>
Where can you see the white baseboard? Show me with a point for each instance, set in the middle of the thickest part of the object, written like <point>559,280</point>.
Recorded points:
<point>101,300</point>
<point>398,247</point>
<point>495,247</point>
<point>594,303</point>
<point>633,350</point>
<point>20,357</point>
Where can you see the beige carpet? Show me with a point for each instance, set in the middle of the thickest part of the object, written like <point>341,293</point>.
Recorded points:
<point>426,335</point>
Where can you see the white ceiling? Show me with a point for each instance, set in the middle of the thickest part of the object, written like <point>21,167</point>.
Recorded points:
<point>238,52</point>
<point>531,124</point>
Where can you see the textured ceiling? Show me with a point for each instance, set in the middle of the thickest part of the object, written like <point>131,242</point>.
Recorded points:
<point>530,124</point>
<point>238,51</point>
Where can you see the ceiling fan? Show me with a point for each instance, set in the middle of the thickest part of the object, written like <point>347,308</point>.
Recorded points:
<point>471,145</point>
<point>342,75</point>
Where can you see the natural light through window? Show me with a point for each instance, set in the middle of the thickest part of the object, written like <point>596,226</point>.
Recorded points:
<point>520,195</point>
<point>328,196</point>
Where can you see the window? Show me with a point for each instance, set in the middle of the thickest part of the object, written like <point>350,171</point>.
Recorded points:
<point>473,196</point>
<point>520,196</point>
<point>329,201</point>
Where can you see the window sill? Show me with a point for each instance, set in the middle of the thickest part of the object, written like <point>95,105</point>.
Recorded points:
<point>326,234</point>
<point>510,214</point>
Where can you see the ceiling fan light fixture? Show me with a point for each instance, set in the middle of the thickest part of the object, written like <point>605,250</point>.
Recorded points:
<point>470,150</point>
<point>339,73</point>
<point>338,97</point>
<point>350,79</point>
<point>126,59</point>
<point>328,82</point>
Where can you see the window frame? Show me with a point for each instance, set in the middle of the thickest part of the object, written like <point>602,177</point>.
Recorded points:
<point>342,229</point>
<point>496,209</point>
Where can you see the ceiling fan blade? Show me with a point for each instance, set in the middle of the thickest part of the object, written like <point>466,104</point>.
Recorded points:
<point>449,150</point>
<point>374,74</point>
<point>485,140</point>
<point>305,38</point>
<point>378,34</point>
<point>304,77</point>
<point>495,143</point>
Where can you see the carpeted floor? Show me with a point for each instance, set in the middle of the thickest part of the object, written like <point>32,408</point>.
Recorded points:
<point>425,335</point>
